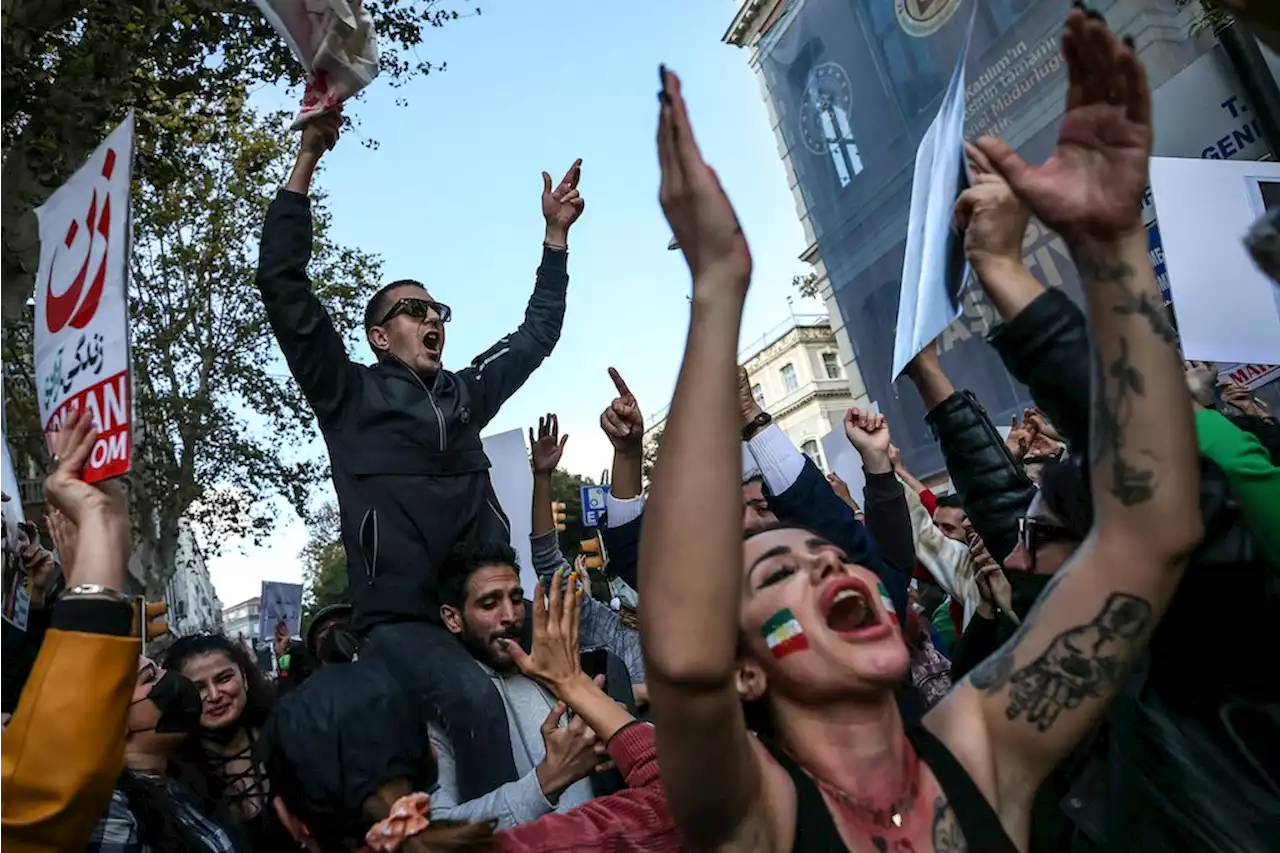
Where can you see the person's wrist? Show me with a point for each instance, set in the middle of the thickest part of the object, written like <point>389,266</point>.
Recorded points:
<point>750,413</point>
<point>992,266</point>
<point>556,236</point>
<point>550,782</point>
<point>574,688</point>
<point>1121,239</point>
<point>630,452</point>
<point>876,461</point>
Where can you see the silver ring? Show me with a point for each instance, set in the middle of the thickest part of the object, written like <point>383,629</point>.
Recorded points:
<point>56,461</point>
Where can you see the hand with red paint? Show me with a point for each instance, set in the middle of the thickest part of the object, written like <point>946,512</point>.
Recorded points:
<point>547,447</point>
<point>99,512</point>
<point>1091,187</point>
<point>562,206</point>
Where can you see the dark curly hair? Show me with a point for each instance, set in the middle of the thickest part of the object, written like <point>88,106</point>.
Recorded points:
<point>462,563</point>
<point>260,698</point>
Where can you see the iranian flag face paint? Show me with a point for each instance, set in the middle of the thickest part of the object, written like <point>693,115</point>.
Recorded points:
<point>887,602</point>
<point>783,634</point>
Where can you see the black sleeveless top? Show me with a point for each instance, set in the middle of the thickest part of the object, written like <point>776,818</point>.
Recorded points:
<point>816,829</point>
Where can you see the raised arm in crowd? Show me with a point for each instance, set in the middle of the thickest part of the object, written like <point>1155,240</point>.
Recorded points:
<point>786,627</point>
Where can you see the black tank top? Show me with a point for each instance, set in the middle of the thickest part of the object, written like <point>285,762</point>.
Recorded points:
<point>816,829</point>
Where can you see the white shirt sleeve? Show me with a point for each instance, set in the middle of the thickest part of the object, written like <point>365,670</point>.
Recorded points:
<point>620,511</point>
<point>780,461</point>
<point>948,561</point>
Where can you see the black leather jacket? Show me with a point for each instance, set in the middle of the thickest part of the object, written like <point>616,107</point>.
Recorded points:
<point>993,486</point>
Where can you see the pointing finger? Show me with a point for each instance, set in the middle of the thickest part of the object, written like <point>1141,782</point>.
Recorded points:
<point>619,382</point>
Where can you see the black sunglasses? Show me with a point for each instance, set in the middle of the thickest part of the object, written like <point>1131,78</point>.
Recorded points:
<point>1034,534</point>
<point>418,309</point>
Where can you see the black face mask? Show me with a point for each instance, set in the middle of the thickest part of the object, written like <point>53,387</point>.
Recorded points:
<point>179,702</point>
<point>1025,588</point>
<point>337,646</point>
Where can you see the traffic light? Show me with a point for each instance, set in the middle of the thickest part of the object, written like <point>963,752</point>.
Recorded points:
<point>154,623</point>
<point>557,512</point>
<point>593,550</point>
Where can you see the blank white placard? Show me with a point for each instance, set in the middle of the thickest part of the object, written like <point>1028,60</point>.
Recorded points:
<point>1227,309</point>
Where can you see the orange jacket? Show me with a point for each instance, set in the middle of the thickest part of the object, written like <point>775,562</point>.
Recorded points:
<point>64,748</point>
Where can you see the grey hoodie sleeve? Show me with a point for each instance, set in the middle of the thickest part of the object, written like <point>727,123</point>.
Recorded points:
<point>600,627</point>
<point>510,805</point>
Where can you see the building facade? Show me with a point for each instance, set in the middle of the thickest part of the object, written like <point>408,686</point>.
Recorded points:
<point>852,85</point>
<point>241,620</point>
<point>798,377</point>
<point>193,604</point>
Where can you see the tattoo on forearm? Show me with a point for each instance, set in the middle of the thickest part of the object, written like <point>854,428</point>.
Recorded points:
<point>1113,405</point>
<point>1120,382</point>
<point>1087,661</point>
<point>947,837</point>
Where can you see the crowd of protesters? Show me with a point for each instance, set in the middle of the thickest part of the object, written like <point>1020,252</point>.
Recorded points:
<point>1064,651</point>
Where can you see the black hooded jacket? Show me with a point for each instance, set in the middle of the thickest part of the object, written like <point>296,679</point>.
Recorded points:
<point>411,474</point>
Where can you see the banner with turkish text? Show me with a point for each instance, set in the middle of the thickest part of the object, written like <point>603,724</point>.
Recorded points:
<point>82,312</point>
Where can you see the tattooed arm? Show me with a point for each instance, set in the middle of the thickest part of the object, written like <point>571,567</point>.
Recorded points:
<point>1044,689</point>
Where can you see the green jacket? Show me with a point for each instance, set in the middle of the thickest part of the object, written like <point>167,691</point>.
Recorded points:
<point>1255,481</point>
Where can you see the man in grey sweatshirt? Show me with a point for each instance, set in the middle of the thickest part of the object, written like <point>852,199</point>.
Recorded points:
<point>482,603</point>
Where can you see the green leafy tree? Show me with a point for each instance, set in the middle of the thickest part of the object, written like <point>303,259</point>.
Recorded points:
<point>217,417</point>
<point>324,563</point>
<point>72,68</point>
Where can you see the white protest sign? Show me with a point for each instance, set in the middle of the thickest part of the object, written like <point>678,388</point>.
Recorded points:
<point>513,483</point>
<point>1227,309</point>
<point>279,601</point>
<point>335,42</point>
<point>1253,376</point>
<point>934,266</point>
<point>81,296</point>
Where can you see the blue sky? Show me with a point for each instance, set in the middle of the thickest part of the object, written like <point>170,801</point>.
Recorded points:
<point>451,198</point>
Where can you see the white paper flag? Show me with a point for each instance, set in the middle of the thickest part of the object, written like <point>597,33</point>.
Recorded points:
<point>934,267</point>
<point>335,42</point>
<point>81,296</point>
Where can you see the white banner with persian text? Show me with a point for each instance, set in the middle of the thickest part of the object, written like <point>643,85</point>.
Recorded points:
<point>82,310</point>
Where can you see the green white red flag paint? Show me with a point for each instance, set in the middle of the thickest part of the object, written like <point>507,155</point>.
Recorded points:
<point>783,634</point>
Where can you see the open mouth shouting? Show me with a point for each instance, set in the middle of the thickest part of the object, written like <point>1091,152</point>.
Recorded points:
<point>433,340</point>
<point>851,610</point>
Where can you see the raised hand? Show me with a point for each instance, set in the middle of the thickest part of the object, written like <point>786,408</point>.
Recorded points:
<point>1092,184</point>
<point>991,216</point>
<point>99,511</point>
<point>321,133</point>
<point>547,448</point>
<point>562,206</point>
<point>621,421</point>
<point>1021,436</point>
<point>701,217</point>
<point>554,660</point>
<point>1242,398</point>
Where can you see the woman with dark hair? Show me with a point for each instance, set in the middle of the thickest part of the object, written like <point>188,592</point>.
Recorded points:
<point>789,620</point>
<point>236,703</point>
<point>150,810</point>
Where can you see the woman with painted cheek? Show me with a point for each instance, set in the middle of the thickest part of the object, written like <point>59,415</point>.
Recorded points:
<point>780,618</point>
<point>150,809</point>
<point>236,701</point>
<point>799,594</point>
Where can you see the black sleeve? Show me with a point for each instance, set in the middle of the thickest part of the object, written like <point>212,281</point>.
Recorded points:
<point>499,371</point>
<point>311,345</point>
<point>622,544</point>
<point>980,639</point>
<point>993,486</point>
<point>889,520</point>
<point>1046,348</point>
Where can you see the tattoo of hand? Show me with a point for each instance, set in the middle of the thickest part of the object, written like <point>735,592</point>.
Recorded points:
<point>1080,663</point>
<point>947,837</point>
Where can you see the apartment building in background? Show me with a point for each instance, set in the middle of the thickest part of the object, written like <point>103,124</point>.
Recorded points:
<point>193,603</point>
<point>797,376</point>
<point>242,620</point>
<point>851,87</point>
